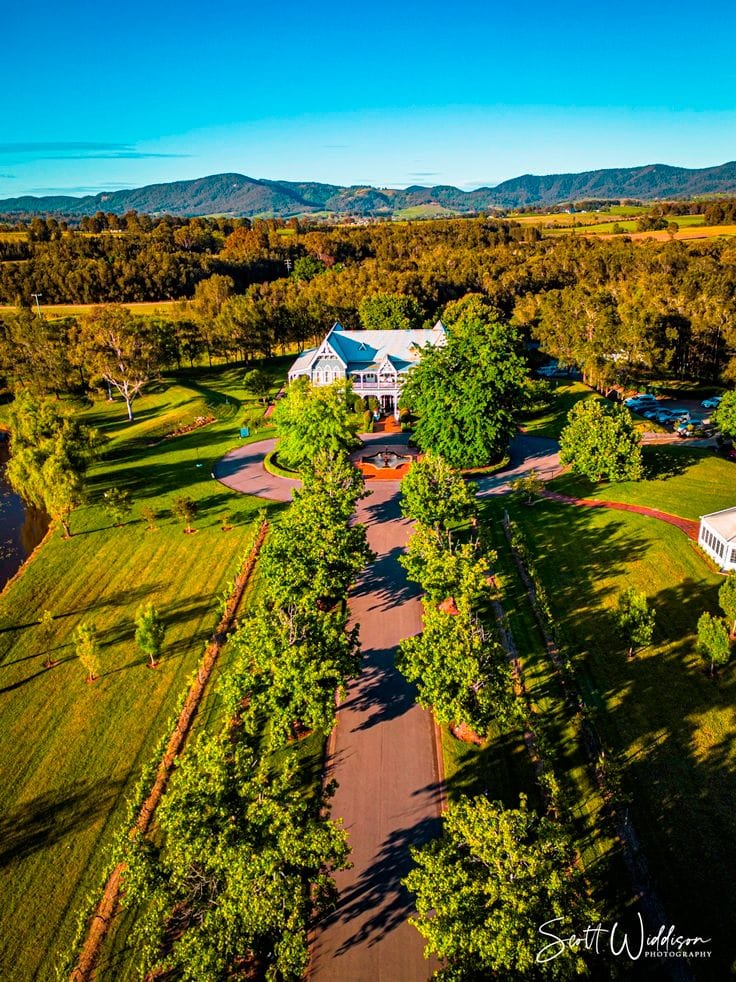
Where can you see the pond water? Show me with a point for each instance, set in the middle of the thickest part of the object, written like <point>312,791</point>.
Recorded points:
<point>21,527</point>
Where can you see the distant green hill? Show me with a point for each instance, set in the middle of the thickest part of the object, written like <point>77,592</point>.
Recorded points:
<point>235,194</point>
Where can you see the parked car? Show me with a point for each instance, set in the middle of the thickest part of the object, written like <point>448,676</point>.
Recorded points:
<point>712,403</point>
<point>640,400</point>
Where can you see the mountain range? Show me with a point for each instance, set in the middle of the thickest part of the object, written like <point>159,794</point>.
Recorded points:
<point>237,195</point>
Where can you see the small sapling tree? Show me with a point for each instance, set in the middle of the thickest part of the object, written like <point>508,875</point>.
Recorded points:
<point>635,620</point>
<point>185,509</point>
<point>149,515</point>
<point>46,632</point>
<point>149,633</point>
<point>713,643</point>
<point>117,505</point>
<point>88,650</point>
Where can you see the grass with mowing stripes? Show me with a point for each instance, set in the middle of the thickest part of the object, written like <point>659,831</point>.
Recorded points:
<point>673,728</point>
<point>685,481</point>
<point>73,751</point>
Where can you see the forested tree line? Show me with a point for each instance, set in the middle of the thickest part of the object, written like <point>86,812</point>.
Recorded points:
<point>617,309</point>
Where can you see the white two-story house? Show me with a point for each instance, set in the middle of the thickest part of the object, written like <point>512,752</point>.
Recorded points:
<point>375,361</point>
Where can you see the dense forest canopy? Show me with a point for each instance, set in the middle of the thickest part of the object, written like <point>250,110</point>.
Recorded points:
<point>619,310</point>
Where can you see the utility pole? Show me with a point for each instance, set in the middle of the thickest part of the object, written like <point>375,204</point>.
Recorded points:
<point>38,306</point>
<point>288,264</point>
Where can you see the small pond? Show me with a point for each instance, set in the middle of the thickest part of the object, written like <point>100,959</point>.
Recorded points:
<point>21,527</point>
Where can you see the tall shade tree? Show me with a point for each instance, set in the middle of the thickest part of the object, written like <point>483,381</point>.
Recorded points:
<point>727,600</point>
<point>484,888</point>
<point>635,620</point>
<point>445,570</point>
<point>466,393</point>
<point>601,443</point>
<point>314,419</point>
<point>713,641</point>
<point>291,664</point>
<point>461,672</point>
<point>240,868</point>
<point>51,454</point>
<point>316,552</point>
<point>389,312</point>
<point>258,383</point>
<point>724,416</point>
<point>432,493</point>
<point>121,351</point>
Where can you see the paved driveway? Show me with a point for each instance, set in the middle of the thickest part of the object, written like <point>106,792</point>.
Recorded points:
<point>383,755</point>
<point>527,453</point>
<point>242,470</point>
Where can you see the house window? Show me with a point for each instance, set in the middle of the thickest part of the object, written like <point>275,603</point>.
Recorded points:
<point>733,555</point>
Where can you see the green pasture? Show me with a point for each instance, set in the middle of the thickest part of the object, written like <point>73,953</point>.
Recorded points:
<point>72,751</point>
<point>671,726</point>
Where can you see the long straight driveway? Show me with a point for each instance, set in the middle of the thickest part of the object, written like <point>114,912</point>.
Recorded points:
<point>383,755</point>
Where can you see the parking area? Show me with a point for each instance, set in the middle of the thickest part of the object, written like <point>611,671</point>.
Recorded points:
<point>676,414</point>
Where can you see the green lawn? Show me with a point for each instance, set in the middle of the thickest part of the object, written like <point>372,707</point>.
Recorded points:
<point>550,421</point>
<point>73,751</point>
<point>685,481</point>
<point>673,727</point>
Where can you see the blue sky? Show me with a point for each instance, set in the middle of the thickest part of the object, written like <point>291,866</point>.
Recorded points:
<point>100,96</point>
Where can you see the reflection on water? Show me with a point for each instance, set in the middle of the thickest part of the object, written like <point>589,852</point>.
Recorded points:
<point>21,528</point>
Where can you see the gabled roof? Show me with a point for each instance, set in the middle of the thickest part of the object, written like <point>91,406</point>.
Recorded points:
<point>362,350</point>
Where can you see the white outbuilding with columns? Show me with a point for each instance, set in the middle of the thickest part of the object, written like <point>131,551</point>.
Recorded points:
<point>718,537</point>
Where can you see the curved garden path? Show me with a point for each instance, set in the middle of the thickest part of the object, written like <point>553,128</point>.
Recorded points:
<point>687,525</point>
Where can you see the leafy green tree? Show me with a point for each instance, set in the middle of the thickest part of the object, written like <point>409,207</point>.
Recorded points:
<point>185,509</point>
<point>432,493</point>
<point>601,443</point>
<point>389,312</point>
<point>489,883</point>
<point>713,641</point>
<point>120,351</point>
<point>724,417</point>
<point>316,552</point>
<point>150,632</point>
<point>529,487</point>
<point>461,672</point>
<point>312,419</point>
<point>727,600</point>
<point>87,649</point>
<point>444,570</point>
<point>258,383</point>
<point>241,865</point>
<point>291,664</point>
<point>466,393</point>
<point>307,267</point>
<point>118,505</point>
<point>47,632</point>
<point>635,620</point>
<point>51,455</point>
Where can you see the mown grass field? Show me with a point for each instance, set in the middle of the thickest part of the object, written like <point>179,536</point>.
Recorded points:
<point>550,422</point>
<point>673,728</point>
<point>685,481</point>
<point>71,752</point>
<point>168,308</point>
